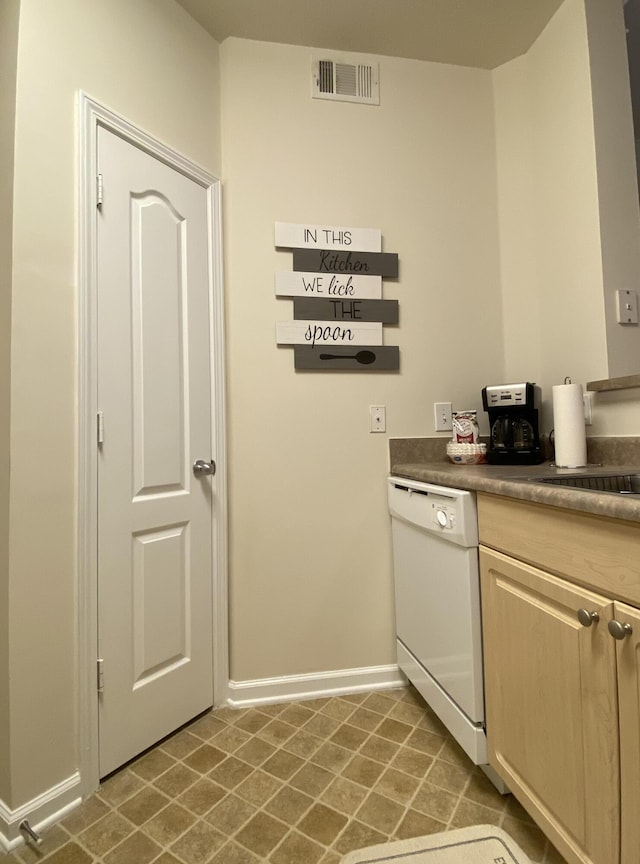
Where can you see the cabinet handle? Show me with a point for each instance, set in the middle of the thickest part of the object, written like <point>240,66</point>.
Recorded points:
<point>619,629</point>
<point>587,618</point>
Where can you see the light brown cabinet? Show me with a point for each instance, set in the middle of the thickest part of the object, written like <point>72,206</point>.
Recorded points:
<point>628,666</point>
<point>563,697</point>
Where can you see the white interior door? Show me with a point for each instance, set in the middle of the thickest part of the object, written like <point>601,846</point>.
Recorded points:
<point>155,521</point>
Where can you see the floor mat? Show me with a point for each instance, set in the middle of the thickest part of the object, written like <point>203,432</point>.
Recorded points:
<point>479,844</point>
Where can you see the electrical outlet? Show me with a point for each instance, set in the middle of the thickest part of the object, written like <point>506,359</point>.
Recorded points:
<point>377,418</point>
<point>627,307</point>
<point>442,415</point>
<point>587,399</point>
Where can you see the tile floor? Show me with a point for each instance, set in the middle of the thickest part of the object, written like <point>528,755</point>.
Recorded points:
<point>296,783</point>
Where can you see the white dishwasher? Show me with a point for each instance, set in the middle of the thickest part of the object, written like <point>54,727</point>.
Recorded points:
<point>437,590</point>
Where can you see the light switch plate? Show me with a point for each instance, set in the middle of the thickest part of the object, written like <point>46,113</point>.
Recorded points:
<point>442,416</point>
<point>627,307</point>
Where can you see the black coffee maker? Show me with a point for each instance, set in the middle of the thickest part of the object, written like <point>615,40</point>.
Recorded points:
<point>513,424</point>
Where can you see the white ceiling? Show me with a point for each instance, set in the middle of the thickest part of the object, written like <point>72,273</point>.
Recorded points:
<point>483,33</point>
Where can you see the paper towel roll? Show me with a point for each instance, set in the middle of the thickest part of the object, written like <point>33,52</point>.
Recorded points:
<point>568,421</point>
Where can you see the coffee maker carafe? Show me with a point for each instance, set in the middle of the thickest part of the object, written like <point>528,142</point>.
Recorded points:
<point>513,424</point>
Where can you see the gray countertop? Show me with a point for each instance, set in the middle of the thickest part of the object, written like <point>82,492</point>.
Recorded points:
<point>514,481</point>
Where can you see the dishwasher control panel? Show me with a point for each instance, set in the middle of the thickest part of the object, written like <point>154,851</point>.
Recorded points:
<point>443,515</point>
<point>435,509</point>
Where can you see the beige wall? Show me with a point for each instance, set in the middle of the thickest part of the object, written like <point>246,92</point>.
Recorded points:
<point>549,228</point>
<point>9,20</point>
<point>568,224</point>
<point>515,146</point>
<point>310,562</point>
<point>619,209</point>
<point>616,413</point>
<point>150,62</point>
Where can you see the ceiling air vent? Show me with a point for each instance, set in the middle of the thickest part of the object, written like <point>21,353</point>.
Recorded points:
<point>345,81</point>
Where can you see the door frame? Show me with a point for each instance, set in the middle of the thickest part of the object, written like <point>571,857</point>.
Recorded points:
<point>91,115</point>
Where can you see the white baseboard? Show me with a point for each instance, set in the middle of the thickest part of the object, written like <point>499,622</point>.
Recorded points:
<point>290,688</point>
<point>50,807</point>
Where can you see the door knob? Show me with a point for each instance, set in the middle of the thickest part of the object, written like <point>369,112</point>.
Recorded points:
<point>587,618</point>
<point>619,629</point>
<point>202,468</point>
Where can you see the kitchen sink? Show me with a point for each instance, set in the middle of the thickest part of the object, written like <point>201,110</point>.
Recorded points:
<point>620,484</point>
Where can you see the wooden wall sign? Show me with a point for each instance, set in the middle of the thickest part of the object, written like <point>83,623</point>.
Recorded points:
<point>336,286</point>
<point>346,263</point>
<point>327,237</point>
<point>292,284</point>
<point>385,311</point>
<point>376,358</point>
<point>328,333</point>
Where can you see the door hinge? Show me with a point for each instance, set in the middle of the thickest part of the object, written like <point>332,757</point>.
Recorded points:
<point>99,190</point>
<point>100,428</point>
<point>100,675</point>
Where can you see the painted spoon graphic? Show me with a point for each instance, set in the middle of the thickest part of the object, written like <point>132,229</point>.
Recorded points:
<point>364,357</point>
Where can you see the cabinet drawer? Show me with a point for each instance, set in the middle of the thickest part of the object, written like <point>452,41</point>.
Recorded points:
<point>599,553</point>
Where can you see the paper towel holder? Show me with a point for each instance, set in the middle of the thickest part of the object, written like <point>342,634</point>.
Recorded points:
<point>570,445</point>
<point>567,380</point>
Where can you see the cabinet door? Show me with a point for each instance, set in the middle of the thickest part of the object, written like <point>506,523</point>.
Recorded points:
<point>552,723</point>
<point>628,656</point>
